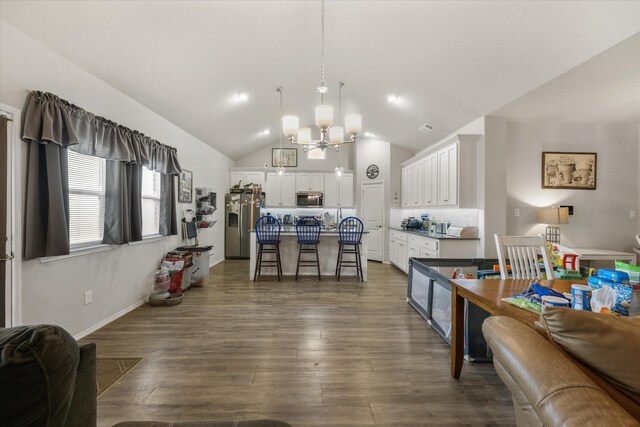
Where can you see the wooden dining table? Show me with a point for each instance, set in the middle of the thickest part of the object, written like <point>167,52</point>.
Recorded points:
<point>488,294</point>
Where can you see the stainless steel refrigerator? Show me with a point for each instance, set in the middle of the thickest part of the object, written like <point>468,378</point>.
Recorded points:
<point>241,212</point>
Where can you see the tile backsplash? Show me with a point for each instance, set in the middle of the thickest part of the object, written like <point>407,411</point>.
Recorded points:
<point>464,217</point>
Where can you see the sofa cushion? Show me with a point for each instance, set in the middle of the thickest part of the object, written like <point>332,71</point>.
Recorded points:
<point>609,345</point>
<point>251,423</point>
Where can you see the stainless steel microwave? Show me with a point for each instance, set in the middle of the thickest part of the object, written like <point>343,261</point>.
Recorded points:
<point>309,199</point>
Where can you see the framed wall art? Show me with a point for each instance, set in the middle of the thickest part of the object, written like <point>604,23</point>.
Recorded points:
<point>576,171</point>
<point>289,157</point>
<point>185,189</point>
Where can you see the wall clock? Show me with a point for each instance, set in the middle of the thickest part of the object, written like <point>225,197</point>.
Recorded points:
<point>373,171</point>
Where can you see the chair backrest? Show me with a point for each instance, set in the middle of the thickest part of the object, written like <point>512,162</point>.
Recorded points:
<point>523,252</point>
<point>308,230</point>
<point>638,239</point>
<point>350,230</point>
<point>267,229</point>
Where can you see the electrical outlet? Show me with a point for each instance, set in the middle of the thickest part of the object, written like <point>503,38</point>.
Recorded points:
<point>632,213</point>
<point>517,212</point>
<point>88,297</point>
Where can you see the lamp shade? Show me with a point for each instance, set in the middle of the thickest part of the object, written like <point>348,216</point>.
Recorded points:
<point>324,116</point>
<point>353,123</point>
<point>553,215</point>
<point>336,135</point>
<point>304,136</point>
<point>290,125</point>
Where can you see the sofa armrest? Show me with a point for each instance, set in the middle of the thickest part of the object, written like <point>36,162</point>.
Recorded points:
<point>83,410</point>
<point>558,391</point>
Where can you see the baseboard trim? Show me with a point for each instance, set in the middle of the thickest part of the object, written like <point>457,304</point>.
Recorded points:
<point>211,264</point>
<point>110,319</point>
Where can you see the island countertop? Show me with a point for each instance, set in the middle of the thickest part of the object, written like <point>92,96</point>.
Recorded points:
<point>290,230</point>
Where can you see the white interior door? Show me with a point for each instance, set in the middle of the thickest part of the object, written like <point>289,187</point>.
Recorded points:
<point>372,203</point>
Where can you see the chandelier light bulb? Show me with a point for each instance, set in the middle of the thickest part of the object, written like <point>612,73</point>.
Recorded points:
<point>324,116</point>
<point>304,136</point>
<point>336,135</point>
<point>290,125</point>
<point>339,171</point>
<point>353,123</point>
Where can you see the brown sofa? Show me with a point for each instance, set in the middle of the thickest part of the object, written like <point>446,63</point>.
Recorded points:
<point>47,379</point>
<point>549,387</point>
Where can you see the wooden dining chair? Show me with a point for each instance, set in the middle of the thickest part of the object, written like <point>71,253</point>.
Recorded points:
<point>522,253</point>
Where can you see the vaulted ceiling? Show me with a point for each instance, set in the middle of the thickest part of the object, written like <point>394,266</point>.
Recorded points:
<point>450,62</point>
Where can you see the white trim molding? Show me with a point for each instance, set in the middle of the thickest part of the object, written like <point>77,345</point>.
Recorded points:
<point>14,317</point>
<point>109,319</point>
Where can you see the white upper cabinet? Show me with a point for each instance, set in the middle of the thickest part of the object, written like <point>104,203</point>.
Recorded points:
<point>309,182</point>
<point>446,177</point>
<point>430,180</point>
<point>245,178</point>
<point>280,191</point>
<point>405,187</point>
<point>338,193</point>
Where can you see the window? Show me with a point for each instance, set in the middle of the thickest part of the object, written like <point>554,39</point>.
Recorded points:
<point>86,199</point>
<point>150,202</point>
<point>316,154</point>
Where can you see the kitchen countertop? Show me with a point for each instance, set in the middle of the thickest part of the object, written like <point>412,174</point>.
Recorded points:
<point>438,236</point>
<point>288,230</point>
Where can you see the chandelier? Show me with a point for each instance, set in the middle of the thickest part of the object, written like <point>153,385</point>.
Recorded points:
<point>330,136</point>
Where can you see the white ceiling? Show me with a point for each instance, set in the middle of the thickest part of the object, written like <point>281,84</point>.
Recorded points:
<point>604,89</point>
<point>451,62</point>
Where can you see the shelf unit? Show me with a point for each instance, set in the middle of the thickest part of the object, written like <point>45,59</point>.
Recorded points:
<point>206,205</point>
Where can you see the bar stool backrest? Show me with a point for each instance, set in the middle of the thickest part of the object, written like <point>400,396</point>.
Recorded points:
<point>308,230</point>
<point>268,230</point>
<point>350,231</point>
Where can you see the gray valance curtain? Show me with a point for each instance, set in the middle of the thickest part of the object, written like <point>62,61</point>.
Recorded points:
<point>50,119</point>
<point>51,126</point>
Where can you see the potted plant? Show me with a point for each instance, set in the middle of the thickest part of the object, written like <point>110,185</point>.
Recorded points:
<point>552,170</point>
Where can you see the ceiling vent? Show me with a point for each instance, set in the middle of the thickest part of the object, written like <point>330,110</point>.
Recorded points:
<point>427,128</point>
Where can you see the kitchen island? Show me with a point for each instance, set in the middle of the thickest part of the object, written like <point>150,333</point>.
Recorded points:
<point>327,252</point>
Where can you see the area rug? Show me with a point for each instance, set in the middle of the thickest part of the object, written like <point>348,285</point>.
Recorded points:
<point>110,369</point>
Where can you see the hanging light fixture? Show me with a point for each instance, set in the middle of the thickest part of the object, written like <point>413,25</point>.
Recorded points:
<point>336,135</point>
<point>280,170</point>
<point>330,136</point>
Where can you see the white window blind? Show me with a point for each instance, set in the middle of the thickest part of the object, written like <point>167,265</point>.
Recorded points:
<point>86,198</point>
<point>316,154</point>
<point>150,202</point>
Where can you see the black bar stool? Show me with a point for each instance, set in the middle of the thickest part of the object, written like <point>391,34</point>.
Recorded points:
<point>350,235</point>
<point>308,235</point>
<point>268,236</point>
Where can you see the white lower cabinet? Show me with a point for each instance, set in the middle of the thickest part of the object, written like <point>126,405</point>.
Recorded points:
<point>404,245</point>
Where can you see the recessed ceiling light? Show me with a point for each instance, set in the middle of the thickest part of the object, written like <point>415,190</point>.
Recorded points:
<point>369,135</point>
<point>242,97</point>
<point>393,99</point>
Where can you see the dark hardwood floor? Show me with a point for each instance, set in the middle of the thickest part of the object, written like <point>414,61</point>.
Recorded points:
<point>309,353</point>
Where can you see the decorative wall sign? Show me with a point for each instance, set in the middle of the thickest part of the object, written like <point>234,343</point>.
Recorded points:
<point>185,194</point>
<point>289,157</point>
<point>373,171</point>
<point>575,171</point>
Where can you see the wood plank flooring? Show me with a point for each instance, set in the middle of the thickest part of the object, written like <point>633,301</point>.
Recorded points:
<point>309,353</point>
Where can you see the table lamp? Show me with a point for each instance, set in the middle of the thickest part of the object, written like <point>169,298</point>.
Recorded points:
<point>552,217</point>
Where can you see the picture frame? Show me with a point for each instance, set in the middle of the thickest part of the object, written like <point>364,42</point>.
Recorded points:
<point>569,170</point>
<point>289,157</point>
<point>185,188</point>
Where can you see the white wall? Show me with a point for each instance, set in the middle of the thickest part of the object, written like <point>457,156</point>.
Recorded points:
<point>259,157</point>
<point>119,278</point>
<point>601,217</point>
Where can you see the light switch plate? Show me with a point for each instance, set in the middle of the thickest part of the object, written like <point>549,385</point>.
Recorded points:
<point>632,213</point>
<point>88,297</point>
<point>517,212</point>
